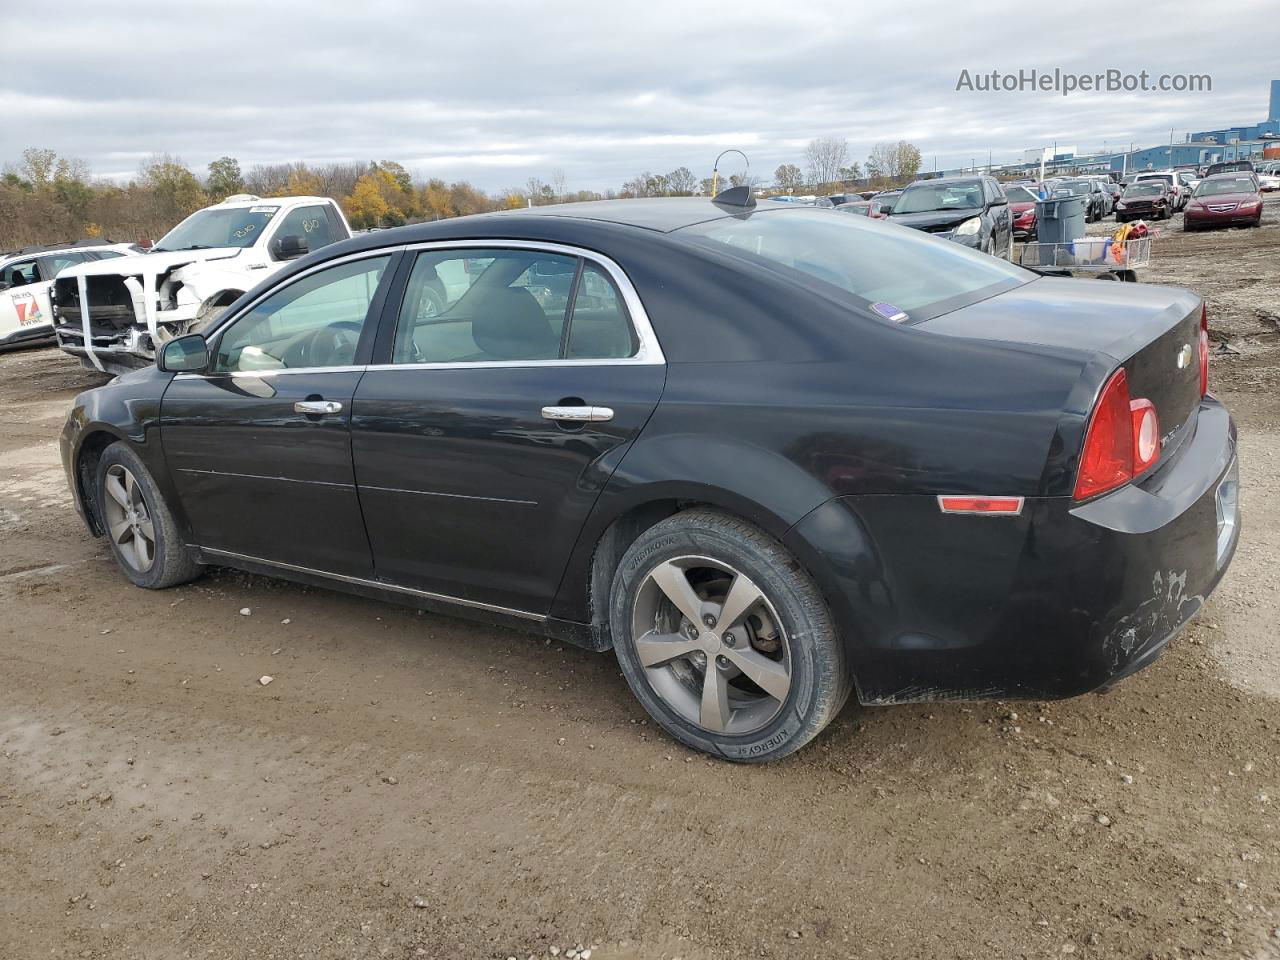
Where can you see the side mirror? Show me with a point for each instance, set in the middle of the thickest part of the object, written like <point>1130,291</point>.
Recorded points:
<point>289,248</point>
<point>189,354</point>
<point>1000,202</point>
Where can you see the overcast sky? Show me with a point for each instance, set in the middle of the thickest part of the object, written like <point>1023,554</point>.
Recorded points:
<point>501,91</point>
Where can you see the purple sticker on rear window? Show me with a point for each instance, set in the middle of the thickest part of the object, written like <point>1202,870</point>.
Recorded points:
<point>889,312</point>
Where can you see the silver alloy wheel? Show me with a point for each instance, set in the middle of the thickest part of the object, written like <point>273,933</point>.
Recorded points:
<point>711,644</point>
<point>128,521</point>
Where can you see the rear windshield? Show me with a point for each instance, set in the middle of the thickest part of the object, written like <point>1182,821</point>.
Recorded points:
<point>1216,187</point>
<point>885,268</point>
<point>1077,187</point>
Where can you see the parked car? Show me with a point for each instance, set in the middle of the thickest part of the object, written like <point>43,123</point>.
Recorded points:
<point>1145,200</point>
<point>1104,190</point>
<point>1229,166</point>
<point>1080,187</point>
<point>26,314</point>
<point>885,199</point>
<point>1268,182</point>
<point>965,480</point>
<point>973,211</point>
<point>187,279</point>
<point>1178,194</point>
<point>1022,207</point>
<point>1225,199</point>
<point>863,208</point>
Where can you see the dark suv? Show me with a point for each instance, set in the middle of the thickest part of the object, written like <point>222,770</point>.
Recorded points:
<point>973,211</point>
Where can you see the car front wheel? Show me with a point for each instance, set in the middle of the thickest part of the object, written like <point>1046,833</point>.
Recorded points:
<point>725,639</point>
<point>143,535</point>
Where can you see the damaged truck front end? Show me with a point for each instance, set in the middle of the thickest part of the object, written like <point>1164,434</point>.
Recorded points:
<point>129,316</point>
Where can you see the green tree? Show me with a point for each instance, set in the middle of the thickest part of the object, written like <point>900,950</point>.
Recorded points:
<point>38,165</point>
<point>224,178</point>
<point>174,190</point>
<point>788,177</point>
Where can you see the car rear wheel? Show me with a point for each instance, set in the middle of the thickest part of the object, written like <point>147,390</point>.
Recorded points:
<point>725,639</point>
<point>143,535</point>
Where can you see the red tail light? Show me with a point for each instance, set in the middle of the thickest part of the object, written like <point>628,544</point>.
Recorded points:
<point>1107,459</point>
<point>1123,440</point>
<point>1204,351</point>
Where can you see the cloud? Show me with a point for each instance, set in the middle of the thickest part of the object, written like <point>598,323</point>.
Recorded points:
<point>601,91</point>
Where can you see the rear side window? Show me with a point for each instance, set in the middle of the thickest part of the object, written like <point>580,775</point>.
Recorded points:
<point>51,265</point>
<point>488,306</point>
<point>884,267</point>
<point>598,326</point>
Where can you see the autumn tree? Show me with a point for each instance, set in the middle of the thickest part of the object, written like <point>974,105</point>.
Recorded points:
<point>224,179</point>
<point>174,191</point>
<point>824,157</point>
<point>366,206</point>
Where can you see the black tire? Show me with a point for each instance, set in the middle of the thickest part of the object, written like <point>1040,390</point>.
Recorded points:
<point>171,561</point>
<point>819,679</point>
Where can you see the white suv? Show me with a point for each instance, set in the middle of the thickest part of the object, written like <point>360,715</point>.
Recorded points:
<point>195,271</point>
<point>26,315</point>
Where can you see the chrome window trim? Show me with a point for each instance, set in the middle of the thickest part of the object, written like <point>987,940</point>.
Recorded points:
<point>379,584</point>
<point>649,352</point>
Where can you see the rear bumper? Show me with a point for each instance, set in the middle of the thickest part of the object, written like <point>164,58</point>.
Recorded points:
<point>1059,601</point>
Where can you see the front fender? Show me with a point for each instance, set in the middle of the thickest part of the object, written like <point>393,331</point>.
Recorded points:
<point>128,409</point>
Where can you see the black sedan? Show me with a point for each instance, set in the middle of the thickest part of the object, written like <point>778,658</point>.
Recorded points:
<point>768,456</point>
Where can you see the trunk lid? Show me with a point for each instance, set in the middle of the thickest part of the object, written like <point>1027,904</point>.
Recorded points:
<point>1152,331</point>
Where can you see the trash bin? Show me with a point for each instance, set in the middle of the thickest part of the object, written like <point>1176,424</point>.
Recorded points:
<point>1061,219</point>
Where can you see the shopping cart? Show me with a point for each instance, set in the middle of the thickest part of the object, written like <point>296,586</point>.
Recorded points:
<point>1101,256</point>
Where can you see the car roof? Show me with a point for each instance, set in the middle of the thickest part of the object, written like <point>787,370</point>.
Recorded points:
<point>932,180</point>
<point>36,250</point>
<point>249,200</point>
<point>663,214</point>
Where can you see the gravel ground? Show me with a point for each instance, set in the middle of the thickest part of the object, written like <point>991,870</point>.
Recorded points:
<point>416,786</point>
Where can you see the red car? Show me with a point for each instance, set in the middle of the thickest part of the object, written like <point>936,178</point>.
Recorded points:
<point>1147,200</point>
<point>1223,200</point>
<point>1022,206</point>
<point>862,208</point>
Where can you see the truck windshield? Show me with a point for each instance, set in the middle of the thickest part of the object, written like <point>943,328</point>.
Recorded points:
<point>235,227</point>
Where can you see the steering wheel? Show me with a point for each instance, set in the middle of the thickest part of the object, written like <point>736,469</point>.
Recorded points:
<point>331,346</point>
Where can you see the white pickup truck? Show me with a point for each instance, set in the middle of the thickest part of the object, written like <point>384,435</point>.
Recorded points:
<point>26,276</point>
<point>195,271</point>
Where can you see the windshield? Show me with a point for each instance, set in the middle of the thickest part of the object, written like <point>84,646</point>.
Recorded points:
<point>218,227</point>
<point>1216,188</point>
<point>889,269</point>
<point>1163,177</point>
<point>1144,190</point>
<point>1077,187</point>
<point>924,198</point>
<point>1020,195</point>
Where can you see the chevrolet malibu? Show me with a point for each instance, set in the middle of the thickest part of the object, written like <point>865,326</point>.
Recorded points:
<point>769,457</point>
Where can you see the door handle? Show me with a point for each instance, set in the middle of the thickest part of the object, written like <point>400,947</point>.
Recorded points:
<point>317,407</point>
<point>578,414</point>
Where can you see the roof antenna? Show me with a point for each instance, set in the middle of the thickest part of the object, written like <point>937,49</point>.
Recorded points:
<point>734,196</point>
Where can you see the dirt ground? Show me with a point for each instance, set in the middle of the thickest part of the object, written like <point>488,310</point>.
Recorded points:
<point>416,786</point>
